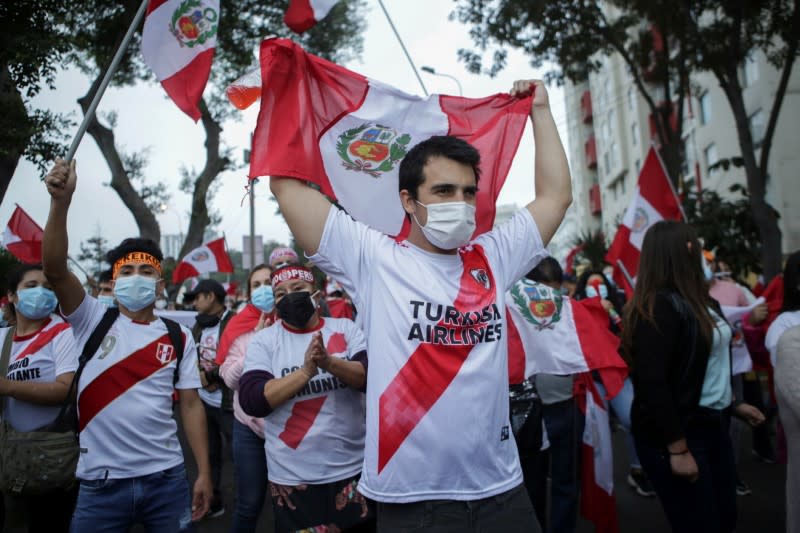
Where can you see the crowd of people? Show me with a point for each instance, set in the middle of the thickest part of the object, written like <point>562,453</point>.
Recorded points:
<point>381,400</point>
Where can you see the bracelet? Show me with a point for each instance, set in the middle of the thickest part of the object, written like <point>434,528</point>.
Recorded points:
<point>684,452</point>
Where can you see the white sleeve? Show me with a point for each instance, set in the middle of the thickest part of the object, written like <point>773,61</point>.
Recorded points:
<point>85,318</point>
<point>346,249</point>
<point>356,341</point>
<point>776,329</point>
<point>66,352</point>
<point>188,374</point>
<point>513,248</point>
<point>260,353</point>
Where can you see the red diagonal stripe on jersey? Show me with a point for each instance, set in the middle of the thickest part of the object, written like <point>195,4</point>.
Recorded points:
<point>117,379</point>
<point>431,368</point>
<point>300,421</point>
<point>41,340</point>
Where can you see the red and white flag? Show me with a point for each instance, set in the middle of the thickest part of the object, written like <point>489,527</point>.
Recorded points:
<point>178,43</point>
<point>23,237</point>
<point>552,334</point>
<point>323,123</point>
<point>210,257</point>
<point>741,361</point>
<point>598,503</point>
<point>302,15</point>
<point>654,200</point>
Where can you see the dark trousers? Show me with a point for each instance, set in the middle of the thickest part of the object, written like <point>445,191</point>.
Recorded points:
<point>564,422</point>
<point>707,505</point>
<point>47,513</point>
<point>533,460</point>
<point>509,512</point>
<point>220,434</point>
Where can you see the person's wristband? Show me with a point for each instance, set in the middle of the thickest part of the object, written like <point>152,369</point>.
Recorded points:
<point>682,452</point>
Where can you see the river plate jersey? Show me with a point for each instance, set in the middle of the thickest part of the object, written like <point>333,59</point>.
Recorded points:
<point>318,435</point>
<point>39,357</point>
<point>125,396</point>
<point>437,387</point>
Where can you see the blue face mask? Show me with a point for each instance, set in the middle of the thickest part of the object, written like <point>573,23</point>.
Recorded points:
<point>263,298</point>
<point>36,303</point>
<point>135,293</point>
<point>107,300</point>
<point>706,270</point>
<point>592,293</point>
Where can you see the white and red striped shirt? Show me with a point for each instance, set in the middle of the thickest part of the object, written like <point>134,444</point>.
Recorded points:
<point>39,357</point>
<point>125,396</point>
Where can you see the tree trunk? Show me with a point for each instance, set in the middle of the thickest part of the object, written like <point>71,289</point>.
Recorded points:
<point>215,164</point>
<point>17,116</point>
<point>120,182</point>
<point>764,215</point>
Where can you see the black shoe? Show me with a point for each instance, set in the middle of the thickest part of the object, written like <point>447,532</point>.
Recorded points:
<point>742,489</point>
<point>638,481</point>
<point>215,511</point>
<point>765,456</point>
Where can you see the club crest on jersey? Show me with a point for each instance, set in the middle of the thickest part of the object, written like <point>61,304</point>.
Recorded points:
<point>372,148</point>
<point>193,24</point>
<point>164,353</point>
<point>480,275</point>
<point>538,304</point>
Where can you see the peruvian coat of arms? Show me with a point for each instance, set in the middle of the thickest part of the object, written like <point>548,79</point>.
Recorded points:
<point>192,24</point>
<point>372,148</point>
<point>538,304</point>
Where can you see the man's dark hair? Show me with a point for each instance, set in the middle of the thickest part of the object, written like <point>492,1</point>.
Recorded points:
<point>134,245</point>
<point>105,276</point>
<point>411,175</point>
<point>547,271</point>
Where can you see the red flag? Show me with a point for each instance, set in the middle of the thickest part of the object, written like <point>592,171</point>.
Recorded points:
<point>302,15</point>
<point>178,43</point>
<point>23,237</point>
<point>210,257</point>
<point>653,200</point>
<point>242,322</point>
<point>323,123</point>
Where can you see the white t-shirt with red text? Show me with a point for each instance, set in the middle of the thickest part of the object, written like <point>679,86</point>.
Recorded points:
<point>39,357</point>
<point>318,435</point>
<point>437,387</point>
<point>125,396</point>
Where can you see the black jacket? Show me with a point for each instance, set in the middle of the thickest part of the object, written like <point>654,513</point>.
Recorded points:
<point>213,376</point>
<point>669,366</point>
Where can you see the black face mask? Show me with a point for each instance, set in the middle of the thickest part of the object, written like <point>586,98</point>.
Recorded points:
<point>296,309</point>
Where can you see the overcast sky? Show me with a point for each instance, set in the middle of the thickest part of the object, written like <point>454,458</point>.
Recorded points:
<point>146,118</point>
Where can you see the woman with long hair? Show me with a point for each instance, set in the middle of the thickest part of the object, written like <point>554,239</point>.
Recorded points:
<point>250,465</point>
<point>677,344</point>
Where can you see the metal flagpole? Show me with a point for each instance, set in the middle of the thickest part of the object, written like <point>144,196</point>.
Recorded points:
<point>625,273</point>
<point>403,46</point>
<point>112,68</point>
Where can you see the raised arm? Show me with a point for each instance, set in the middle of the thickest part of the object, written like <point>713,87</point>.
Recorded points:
<point>553,185</point>
<point>61,185</point>
<point>305,210</point>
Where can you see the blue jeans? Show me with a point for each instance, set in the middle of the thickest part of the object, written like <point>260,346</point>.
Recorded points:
<point>564,422</point>
<point>250,467</point>
<point>621,404</point>
<point>160,501</point>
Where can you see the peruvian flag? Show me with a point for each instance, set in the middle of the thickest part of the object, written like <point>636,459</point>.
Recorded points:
<point>210,257</point>
<point>302,15</point>
<point>23,237</point>
<point>654,200</point>
<point>178,44</point>
<point>552,334</point>
<point>598,503</point>
<point>741,361</point>
<point>348,134</point>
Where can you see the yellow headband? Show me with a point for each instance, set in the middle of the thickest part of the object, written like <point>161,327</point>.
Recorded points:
<point>135,257</point>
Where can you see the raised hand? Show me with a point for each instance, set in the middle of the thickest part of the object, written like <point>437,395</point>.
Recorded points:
<point>537,87</point>
<point>61,180</point>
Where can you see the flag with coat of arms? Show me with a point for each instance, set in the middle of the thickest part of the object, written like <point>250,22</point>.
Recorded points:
<point>322,123</point>
<point>210,257</point>
<point>302,15</point>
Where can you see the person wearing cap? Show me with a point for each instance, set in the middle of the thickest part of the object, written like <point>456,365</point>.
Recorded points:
<point>212,317</point>
<point>305,375</point>
<point>283,256</point>
<point>131,468</point>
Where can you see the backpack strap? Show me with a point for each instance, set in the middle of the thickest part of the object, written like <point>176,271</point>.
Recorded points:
<point>5,357</point>
<point>177,340</point>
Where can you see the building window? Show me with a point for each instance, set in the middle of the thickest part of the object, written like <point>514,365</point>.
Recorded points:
<point>750,72</point>
<point>622,183</point>
<point>712,158</point>
<point>756,123</point>
<point>614,155</point>
<point>705,108</point>
<point>606,164</point>
<point>635,134</point>
<point>631,99</point>
<point>638,166</point>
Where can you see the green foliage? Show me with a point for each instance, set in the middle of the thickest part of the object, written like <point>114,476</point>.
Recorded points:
<point>7,264</point>
<point>726,226</point>
<point>593,251</point>
<point>93,253</point>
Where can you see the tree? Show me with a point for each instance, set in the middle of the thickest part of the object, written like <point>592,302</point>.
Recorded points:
<point>592,249</point>
<point>93,251</point>
<point>662,43</point>
<point>241,28</point>
<point>7,264</point>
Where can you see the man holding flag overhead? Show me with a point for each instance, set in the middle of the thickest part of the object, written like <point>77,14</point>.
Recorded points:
<point>434,303</point>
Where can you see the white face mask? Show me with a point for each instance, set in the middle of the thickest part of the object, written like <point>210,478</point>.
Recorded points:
<point>450,224</point>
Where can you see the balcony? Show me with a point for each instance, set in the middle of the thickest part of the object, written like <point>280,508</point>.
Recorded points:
<point>586,106</point>
<point>590,149</point>
<point>595,204</point>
